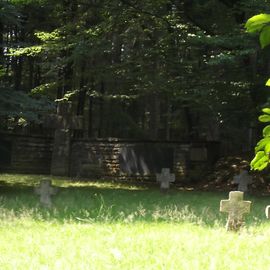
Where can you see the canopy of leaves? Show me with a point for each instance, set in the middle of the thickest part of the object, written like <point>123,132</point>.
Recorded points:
<point>160,69</point>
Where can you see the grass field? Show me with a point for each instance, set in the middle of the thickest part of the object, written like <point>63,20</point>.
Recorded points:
<point>105,225</point>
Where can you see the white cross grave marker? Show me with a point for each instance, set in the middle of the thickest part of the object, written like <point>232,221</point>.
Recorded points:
<point>165,178</point>
<point>236,208</point>
<point>243,180</point>
<point>267,211</point>
<point>45,190</point>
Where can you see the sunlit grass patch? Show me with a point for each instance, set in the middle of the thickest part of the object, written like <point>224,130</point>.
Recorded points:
<point>94,226</point>
<point>130,246</point>
<point>34,179</point>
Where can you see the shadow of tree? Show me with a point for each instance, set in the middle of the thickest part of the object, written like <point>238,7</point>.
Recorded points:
<point>110,202</point>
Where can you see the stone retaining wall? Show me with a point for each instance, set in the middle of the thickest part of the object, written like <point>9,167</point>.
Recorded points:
<point>101,158</point>
<point>126,159</point>
<point>25,154</point>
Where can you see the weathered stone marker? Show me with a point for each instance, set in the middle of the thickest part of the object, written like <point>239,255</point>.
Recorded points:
<point>165,178</point>
<point>267,211</point>
<point>243,179</point>
<point>45,190</point>
<point>63,123</point>
<point>236,208</point>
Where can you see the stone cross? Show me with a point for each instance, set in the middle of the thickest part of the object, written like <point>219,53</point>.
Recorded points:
<point>45,190</point>
<point>243,180</point>
<point>267,211</point>
<point>165,178</point>
<point>236,208</point>
<point>63,123</point>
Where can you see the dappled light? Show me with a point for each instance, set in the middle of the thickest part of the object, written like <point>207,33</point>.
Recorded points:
<point>113,202</point>
<point>134,135</point>
<point>121,223</point>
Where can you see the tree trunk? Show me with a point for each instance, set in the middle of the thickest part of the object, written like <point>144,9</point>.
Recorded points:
<point>90,117</point>
<point>31,72</point>
<point>19,36</point>
<point>154,116</point>
<point>168,120</point>
<point>60,90</point>
<point>189,123</point>
<point>101,110</point>
<point>82,93</point>
<point>1,44</point>
<point>69,16</point>
<point>17,69</point>
<point>37,76</point>
<point>81,99</point>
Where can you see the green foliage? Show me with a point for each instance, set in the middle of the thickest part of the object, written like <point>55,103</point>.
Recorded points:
<point>46,89</point>
<point>260,160</point>
<point>257,23</point>
<point>266,131</point>
<point>109,56</point>
<point>262,149</point>
<point>9,14</point>
<point>46,36</point>
<point>27,51</point>
<point>16,105</point>
<point>260,23</point>
<point>264,118</point>
<point>265,36</point>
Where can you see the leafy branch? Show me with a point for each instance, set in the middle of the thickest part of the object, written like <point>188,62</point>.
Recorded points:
<point>261,24</point>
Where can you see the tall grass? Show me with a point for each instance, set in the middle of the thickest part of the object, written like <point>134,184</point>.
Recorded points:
<point>107,225</point>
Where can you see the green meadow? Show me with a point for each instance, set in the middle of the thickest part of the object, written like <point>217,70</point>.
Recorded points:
<point>112,225</point>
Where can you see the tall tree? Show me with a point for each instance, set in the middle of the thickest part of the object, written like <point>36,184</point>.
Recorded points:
<point>161,69</point>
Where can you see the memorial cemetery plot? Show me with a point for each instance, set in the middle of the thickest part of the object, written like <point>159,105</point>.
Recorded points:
<point>114,225</point>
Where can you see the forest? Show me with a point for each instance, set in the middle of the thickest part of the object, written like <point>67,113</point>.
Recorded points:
<point>158,70</point>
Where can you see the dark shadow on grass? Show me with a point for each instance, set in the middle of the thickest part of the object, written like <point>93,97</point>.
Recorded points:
<point>97,204</point>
